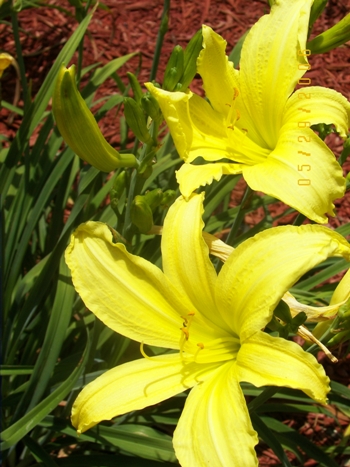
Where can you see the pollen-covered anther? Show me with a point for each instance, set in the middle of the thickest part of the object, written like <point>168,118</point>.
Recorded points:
<point>186,333</point>
<point>200,347</point>
<point>233,119</point>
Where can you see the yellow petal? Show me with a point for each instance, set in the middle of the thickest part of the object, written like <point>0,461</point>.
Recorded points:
<point>186,260</point>
<point>200,131</point>
<point>133,386</point>
<point>217,247</point>
<point>304,175</point>
<point>214,428</point>
<point>259,271</point>
<point>221,81</point>
<point>126,292</point>
<point>5,61</point>
<point>269,68</point>
<point>264,360</point>
<point>190,176</point>
<point>340,296</point>
<point>317,105</point>
<point>175,109</point>
<point>342,292</point>
<point>314,313</point>
<point>214,67</point>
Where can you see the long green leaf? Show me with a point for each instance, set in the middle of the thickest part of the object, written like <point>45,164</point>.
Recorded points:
<point>54,338</point>
<point>270,439</point>
<point>19,429</point>
<point>285,434</point>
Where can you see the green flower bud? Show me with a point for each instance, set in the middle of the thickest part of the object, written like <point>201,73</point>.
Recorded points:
<point>117,190</point>
<point>168,198</point>
<point>190,59</point>
<point>154,198</point>
<point>79,128</point>
<point>332,38</point>
<point>135,86</point>
<point>141,214</point>
<point>151,106</point>
<point>178,87</point>
<point>174,69</point>
<point>135,118</point>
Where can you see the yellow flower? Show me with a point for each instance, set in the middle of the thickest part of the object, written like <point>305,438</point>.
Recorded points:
<point>212,324</point>
<point>5,61</point>
<point>315,314</point>
<point>253,123</point>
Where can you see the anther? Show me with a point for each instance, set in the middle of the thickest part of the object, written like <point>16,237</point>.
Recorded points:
<point>185,331</point>
<point>200,347</point>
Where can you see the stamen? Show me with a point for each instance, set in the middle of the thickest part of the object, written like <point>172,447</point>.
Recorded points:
<point>307,335</point>
<point>186,333</point>
<point>235,94</point>
<point>156,358</point>
<point>143,353</point>
<point>200,347</point>
<point>233,119</point>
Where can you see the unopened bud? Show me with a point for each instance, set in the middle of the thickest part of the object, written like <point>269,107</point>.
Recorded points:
<point>141,214</point>
<point>135,118</point>
<point>135,86</point>
<point>174,69</point>
<point>168,198</point>
<point>154,198</point>
<point>117,190</point>
<point>151,106</point>
<point>79,128</point>
<point>190,59</point>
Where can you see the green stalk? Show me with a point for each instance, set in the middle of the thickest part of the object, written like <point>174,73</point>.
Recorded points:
<point>138,180</point>
<point>160,38</point>
<point>239,218</point>
<point>20,61</point>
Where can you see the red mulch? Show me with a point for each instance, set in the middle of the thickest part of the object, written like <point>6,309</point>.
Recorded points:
<point>129,26</point>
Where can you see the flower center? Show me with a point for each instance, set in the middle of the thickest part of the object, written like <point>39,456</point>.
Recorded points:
<point>215,350</point>
<point>232,117</point>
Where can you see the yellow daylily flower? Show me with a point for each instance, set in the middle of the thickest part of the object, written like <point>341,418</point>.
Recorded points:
<point>212,324</point>
<point>254,123</point>
<point>314,314</point>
